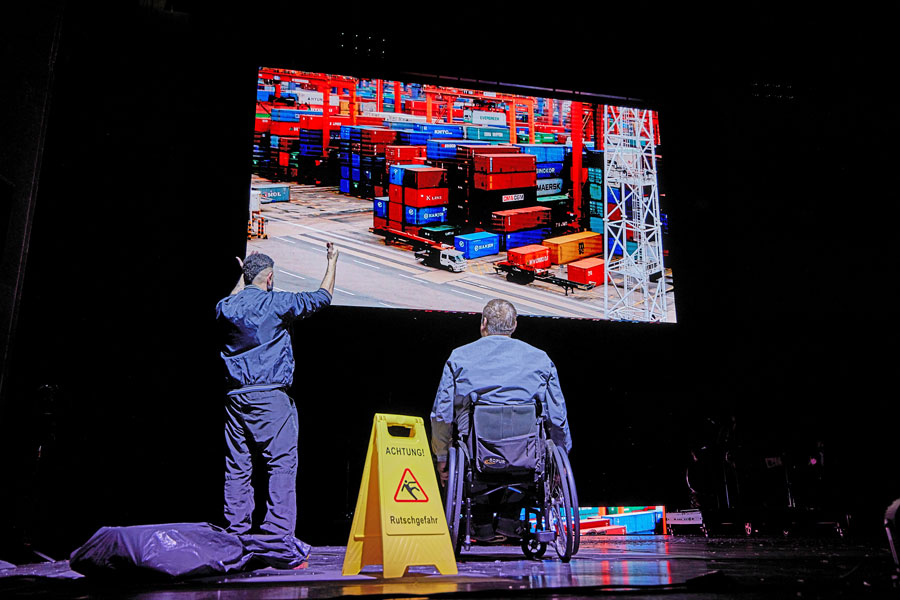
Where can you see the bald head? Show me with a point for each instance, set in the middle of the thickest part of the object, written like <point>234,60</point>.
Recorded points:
<point>498,318</point>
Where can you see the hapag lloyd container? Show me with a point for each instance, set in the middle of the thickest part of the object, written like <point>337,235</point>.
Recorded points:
<point>474,245</point>
<point>572,247</point>
<point>534,256</point>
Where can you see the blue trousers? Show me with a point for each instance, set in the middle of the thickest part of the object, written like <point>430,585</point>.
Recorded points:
<point>263,423</point>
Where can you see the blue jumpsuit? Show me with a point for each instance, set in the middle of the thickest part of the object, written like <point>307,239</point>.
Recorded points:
<point>260,416</point>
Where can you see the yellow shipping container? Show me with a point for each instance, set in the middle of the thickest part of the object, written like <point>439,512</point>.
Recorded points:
<point>566,248</point>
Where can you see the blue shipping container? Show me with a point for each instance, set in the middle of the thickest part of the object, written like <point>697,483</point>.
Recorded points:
<point>549,170</point>
<point>344,186</point>
<point>421,216</point>
<point>395,175</point>
<point>636,522</point>
<point>345,172</point>
<point>545,153</point>
<point>474,245</point>
<point>526,237</point>
<point>355,174</point>
<point>440,130</point>
<point>273,193</point>
<point>380,207</point>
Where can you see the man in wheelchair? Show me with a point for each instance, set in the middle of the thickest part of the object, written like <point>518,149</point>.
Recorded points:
<point>515,390</point>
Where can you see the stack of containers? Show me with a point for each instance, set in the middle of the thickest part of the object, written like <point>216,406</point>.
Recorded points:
<point>399,155</point>
<point>549,159</point>
<point>344,160</point>
<point>592,191</point>
<point>521,226</point>
<point>500,182</point>
<point>460,180</point>
<point>373,147</point>
<point>417,196</point>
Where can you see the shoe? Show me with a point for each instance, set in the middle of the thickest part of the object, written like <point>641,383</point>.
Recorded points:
<point>302,565</point>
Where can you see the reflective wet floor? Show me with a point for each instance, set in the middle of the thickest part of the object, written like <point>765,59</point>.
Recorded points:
<point>637,566</point>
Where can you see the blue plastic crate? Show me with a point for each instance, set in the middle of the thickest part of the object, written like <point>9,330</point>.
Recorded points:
<point>475,245</point>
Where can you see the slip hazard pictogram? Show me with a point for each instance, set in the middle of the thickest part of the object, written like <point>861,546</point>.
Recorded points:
<point>409,489</point>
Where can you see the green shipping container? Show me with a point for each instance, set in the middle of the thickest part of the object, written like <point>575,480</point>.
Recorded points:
<point>490,134</point>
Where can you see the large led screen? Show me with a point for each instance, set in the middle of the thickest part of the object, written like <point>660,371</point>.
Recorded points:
<point>441,198</point>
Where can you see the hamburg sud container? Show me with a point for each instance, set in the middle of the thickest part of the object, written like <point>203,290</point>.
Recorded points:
<point>586,270</point>
<point>534,256</point>
<point>474,245</point>
<point>572,247</point>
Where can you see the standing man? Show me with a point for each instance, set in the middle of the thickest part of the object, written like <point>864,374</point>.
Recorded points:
<point>260,416</point>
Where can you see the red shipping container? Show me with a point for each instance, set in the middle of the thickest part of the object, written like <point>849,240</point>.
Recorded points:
<point>284,128</point>
<point>379,223</point>
<point>395,225</point>
<point>419,160</point>
<point>431,177</point>
<point>504,181</point>
<point>504,163</point>
<point>412,229</point>
<point>403,153</point>
<point>262,124</point>
<point>534,256</point>
<point>424,198</point>
<point>587,270</point>
<point>395,193</point>
<point>283,158</point>
<point>468,150</point>
<point>395,211</point>
<point>521,218</point>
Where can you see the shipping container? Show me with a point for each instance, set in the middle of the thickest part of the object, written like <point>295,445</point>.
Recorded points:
<point>586,270</point>
<point>504,181</point>
<point>424,198</point>
<point>380,207</point>
<point>379,223</point>
<point>503,163</point>
<point>423,177</point>
<point>568,248</point>
<point>475,245</point>
<point>404,153</point>
<point>395,211</point>
<point>549,187</point>
<point>469,150</point>
<point>534,256</point>
<point>520,218</point>
<point>545,153</point>
<point>549,170</point>
<point>422,216</point>
<point>272,192</point>
<point>395,172</point>
<point>526,237</point>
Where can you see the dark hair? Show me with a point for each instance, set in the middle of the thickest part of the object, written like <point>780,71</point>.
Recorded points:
<point>254,265</point>
<point>500,316</point>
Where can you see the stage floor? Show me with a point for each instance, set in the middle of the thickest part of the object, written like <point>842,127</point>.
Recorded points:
<point>679,566</point>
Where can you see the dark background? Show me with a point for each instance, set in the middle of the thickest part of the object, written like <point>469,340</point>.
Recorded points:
<point>127,131</point>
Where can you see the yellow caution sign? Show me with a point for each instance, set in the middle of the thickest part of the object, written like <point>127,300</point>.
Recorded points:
<point>399,520</point>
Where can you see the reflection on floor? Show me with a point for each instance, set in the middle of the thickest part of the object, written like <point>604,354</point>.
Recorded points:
<point>687,566</point>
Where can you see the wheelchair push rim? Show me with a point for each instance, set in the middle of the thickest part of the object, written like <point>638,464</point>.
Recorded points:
<point>559,510</point>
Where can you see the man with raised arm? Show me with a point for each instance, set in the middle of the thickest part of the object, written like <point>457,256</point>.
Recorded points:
<point>256,324</point>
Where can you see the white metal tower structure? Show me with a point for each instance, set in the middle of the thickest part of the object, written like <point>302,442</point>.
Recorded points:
<point>634,286</point>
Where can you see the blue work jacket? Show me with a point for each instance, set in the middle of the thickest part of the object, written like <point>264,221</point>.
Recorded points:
<point>256,325</point>
<point>497,369</point>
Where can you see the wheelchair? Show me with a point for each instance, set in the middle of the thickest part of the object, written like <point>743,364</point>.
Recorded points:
<point>508,455</point>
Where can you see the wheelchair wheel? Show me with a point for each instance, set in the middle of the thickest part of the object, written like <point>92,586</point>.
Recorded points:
<point>456,472</point>
<point>559,511</point>
<point>573,496</point>
<point>531,547</point>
